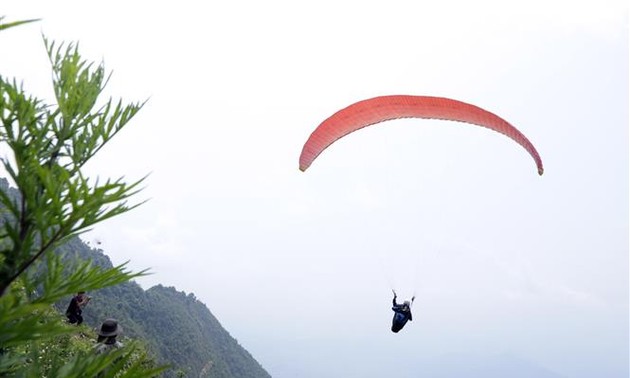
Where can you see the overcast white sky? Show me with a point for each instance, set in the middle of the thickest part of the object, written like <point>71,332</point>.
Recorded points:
<point>514,274</point>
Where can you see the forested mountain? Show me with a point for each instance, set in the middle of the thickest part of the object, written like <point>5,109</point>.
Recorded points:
<point>178,328</point>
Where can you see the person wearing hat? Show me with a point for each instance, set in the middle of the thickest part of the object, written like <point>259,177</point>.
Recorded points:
<point>107,336</point>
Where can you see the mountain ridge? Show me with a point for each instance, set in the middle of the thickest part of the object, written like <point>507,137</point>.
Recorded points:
<point>178,328</point>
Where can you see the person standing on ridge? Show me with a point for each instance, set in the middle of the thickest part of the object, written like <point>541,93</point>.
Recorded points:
<point>75,308</point>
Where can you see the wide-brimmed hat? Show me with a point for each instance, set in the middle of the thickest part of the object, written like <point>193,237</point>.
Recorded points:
<point>109,328</point>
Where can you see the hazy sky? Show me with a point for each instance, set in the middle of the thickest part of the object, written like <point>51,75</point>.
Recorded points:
<point>514,274</point>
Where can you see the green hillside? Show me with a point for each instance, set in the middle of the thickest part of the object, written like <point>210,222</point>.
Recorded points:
<point>179,329</point>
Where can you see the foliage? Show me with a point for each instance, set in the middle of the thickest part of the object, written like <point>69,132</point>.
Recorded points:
<point>49,357</point>
<point>54,202</point>
<point>50,146</point>
<point>4,25</point>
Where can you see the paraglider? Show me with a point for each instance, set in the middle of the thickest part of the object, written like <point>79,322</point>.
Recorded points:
<point>402,313</point>
<point>378,109</point>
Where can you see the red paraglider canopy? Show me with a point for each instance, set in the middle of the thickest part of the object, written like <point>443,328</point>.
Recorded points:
<point>369,112</point>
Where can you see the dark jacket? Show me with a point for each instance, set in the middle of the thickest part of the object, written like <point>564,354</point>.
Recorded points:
<point>402,309</point>
<point>74,308</point>
<point>402,314</point>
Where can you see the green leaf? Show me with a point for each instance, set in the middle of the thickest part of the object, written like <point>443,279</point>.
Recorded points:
<point>4,25</point>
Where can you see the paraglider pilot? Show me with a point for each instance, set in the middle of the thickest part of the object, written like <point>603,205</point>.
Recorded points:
<point>402,313</point>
